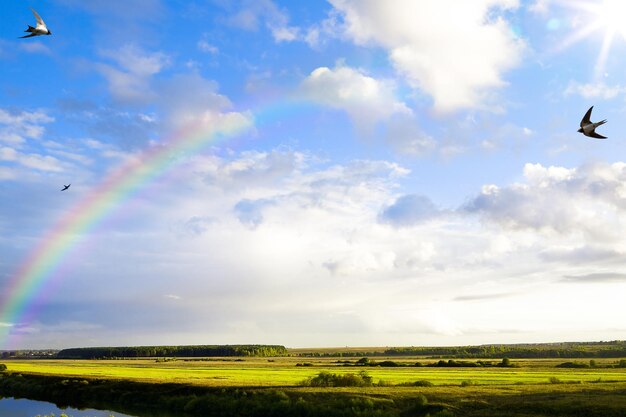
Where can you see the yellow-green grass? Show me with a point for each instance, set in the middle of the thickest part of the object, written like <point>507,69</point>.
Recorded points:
<point>283,372</point>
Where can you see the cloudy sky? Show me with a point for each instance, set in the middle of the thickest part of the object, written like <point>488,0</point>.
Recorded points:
<point>410,174</point>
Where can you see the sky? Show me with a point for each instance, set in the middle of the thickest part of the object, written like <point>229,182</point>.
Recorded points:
<point>319,173</point>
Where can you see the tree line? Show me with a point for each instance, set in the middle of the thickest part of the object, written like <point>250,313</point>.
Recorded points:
<point>612,349</point>
<point>171,351</point>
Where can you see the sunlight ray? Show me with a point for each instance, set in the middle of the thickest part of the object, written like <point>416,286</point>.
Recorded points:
<point>600,66</point>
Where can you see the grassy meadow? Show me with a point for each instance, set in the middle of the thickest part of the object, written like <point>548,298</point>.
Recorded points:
<point>533,387</point>
<point>289,372</point>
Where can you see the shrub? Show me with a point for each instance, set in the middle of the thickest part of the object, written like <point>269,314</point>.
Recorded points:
<point>327,379</point>
<point>363,361</point>
<point>555,380</point>
<point>388,364</point>
<point>422,383</point>
<point>3,367</point>
<point>572,365</point>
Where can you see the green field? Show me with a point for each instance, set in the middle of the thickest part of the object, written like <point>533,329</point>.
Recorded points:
<point>283,372</point>
<point>532,388</point>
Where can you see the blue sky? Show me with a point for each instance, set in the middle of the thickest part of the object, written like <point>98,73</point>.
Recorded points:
<point>420,182</point>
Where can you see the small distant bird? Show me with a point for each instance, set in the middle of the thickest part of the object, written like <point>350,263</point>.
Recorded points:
<point>38,30</point>
<point>588,128</point>
<point>65,187</point>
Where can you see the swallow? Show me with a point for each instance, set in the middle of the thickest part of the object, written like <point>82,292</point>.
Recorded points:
<point>588,128</point>
<point>65,187</point>
<point>38,30</point>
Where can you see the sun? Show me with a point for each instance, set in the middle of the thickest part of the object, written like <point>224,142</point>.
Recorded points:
<point>612,15</point>
<point>605,17</point>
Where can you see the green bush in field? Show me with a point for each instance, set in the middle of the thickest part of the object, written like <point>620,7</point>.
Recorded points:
<point>3,367</point>
<point>327,379</point>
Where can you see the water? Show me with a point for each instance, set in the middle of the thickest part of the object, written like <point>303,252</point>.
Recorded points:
<point>10,407</point>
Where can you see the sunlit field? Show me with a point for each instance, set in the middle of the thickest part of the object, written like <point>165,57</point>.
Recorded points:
<point>276,385</point>
<point>289,372</point>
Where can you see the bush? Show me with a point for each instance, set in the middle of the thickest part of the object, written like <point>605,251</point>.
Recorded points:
<point>572,365</point>
<point>3,367</point>
<point>388,364</point>
<point>555,380</point>
<point>326,379</point>
<point>363,361</point>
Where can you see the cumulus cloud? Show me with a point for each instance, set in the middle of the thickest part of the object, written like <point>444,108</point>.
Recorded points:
<point>283,231</point>
<point>456,52</point>
<point>575,216</point>
<point>366,99</point>
<point>254,168</point>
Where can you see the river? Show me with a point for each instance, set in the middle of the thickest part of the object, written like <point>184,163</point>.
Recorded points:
<point>10,407</point>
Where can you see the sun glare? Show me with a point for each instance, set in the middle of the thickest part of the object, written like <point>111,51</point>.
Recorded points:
<point>612,15</point>
<point>605,17</point>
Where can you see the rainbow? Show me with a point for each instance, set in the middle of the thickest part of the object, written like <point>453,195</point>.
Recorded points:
<point>44,263</point>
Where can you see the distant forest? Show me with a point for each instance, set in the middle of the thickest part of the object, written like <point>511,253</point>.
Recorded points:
<point>172,351</point>
<point>613,349</point>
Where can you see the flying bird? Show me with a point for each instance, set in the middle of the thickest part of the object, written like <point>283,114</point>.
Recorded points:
<point>65,187</point>
<point>38,30</point>
<point>588,128</point>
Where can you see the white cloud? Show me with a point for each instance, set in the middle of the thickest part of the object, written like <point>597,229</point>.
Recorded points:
<point>35,161</point>
<point>252,13</point>
<point>205,46</point>
<point>404,135</point>
<point>191,99</point>
<point>298,246</point>
<point>589,201</point>
<point>366,99</point>
<point>16,128</point>
<point>540,7</point>
<point>131,80</point>
<point>454,51</point>
<point>594,90</point>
